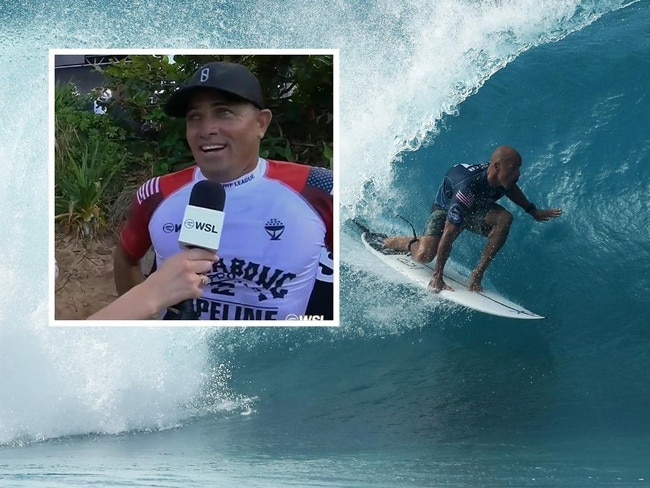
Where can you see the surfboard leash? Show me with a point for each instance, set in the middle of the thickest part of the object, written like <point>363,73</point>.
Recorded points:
<point>361,226</point>
<point>415,235</point>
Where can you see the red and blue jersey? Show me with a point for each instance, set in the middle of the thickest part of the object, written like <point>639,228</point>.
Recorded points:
<point>276,242</point>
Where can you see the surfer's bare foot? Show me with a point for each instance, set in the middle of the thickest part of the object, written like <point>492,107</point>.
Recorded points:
<point>389,242</point>
<point>474,287</point>
<point>437,285</point>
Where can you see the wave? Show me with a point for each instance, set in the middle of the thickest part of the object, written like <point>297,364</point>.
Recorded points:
<point>405,67</point>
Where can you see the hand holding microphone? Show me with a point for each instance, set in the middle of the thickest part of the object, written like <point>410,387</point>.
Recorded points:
<point>180,277</point>
<point>201,228</point>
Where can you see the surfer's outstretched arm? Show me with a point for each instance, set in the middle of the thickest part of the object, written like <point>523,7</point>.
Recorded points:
<point>539,214</point>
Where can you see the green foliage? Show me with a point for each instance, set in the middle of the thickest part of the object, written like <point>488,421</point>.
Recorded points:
<point>74,111</point>
<point>84,175</point>
<point>328,153</point>
<point>88,162</point>
<point>297,88</point>
<point>140,85</point>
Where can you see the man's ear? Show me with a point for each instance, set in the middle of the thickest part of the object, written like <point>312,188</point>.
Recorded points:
<point>264,117</point>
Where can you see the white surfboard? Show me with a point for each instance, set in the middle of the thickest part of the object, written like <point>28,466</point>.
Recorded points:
<point>488,302</point>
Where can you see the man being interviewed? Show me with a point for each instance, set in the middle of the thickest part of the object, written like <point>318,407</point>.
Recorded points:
<point>277,236</point>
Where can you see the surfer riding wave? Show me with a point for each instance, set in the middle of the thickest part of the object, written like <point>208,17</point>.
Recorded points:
<point>467,199</point>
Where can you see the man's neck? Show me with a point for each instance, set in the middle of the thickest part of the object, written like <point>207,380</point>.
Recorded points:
<point>492,176</point>
<point>228,176</point>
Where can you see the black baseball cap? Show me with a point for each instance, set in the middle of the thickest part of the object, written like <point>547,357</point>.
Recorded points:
<point>230,78</point>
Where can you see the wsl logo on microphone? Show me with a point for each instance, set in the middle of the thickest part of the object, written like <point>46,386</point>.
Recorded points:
<point>202,226</point>
<point>274,228</point>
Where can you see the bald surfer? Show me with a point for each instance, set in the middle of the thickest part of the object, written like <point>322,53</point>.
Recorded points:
<point>467,199</point>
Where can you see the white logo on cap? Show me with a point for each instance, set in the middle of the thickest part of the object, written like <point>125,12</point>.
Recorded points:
<point>205,74</point>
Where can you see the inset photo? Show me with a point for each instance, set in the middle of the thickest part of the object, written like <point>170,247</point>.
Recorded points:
<point>194,186</point>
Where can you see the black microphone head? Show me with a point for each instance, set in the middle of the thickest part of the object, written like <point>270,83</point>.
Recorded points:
<point>208,194</point>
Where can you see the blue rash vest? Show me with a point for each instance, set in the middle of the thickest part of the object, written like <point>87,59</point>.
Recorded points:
<point>464,189</point>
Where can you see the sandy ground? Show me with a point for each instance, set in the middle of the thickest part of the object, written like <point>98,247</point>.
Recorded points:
<point>85,281</point>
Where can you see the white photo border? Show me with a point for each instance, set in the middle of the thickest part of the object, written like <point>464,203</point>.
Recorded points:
<point>335,322</point>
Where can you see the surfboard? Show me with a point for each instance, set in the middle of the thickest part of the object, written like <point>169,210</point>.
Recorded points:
<point>487,301</point>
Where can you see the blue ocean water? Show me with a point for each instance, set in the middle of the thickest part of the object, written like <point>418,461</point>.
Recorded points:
<point>407,392</point>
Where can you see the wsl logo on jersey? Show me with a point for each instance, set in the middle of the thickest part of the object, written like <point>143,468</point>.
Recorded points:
<point>274,228</point>
<point>168,228</point>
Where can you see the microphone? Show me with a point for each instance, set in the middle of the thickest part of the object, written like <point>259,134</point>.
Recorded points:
<point>201,227</point>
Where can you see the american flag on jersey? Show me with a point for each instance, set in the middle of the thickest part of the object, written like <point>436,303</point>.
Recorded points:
<point>149,188</point>
<point>466,199</point>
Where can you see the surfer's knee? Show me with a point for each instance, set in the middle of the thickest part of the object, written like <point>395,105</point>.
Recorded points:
<point>423,257</point>
<point>504,221</point>
<point>424,249</point>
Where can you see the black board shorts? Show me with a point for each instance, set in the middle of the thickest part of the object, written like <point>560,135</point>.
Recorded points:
<point>474,220</point>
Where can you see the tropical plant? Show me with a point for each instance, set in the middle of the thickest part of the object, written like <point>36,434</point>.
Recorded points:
<point>88,163</point>
<point>83,181</point>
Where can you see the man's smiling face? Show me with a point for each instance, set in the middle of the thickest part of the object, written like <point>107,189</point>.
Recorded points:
<point>224,134</point>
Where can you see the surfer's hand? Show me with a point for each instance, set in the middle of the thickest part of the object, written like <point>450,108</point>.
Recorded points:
<point>436,285</point>
<point>542,215</point>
